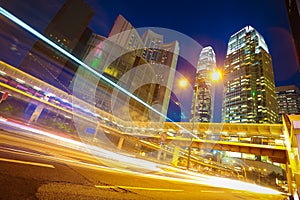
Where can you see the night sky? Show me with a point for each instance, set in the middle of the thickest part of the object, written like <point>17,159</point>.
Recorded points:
<point>208,22</point>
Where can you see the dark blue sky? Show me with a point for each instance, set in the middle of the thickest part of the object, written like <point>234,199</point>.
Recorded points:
<point>208,22</point>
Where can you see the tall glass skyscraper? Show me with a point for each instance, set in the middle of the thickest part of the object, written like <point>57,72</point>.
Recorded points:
<point>160,54</point>
<point>203,110</point>
<point>69,30</point>
<point>152,49</point>
<point>249,89</point>
<point>112,57</point>
<point>145,66</point>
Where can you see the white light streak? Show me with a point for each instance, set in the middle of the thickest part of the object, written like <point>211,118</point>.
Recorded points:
<point>37,88</point>
<point>20,81</point>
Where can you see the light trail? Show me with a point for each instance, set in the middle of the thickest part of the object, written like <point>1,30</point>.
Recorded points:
<point>69,55</point>
<point>181,176</point>
<point>212,191</point>
<point>137,188</point>
<point>26,163</point>
<point>100,153</point>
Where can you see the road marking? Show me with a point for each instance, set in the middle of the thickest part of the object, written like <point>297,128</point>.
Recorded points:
<point>27,163</point>
<point>236,192</point>
<point>137,188</point>
<point>212,191</point>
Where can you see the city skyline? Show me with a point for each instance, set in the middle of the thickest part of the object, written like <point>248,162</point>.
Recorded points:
<point>270,19</point>
<point>215,30</point>
<point>272,23</point>
<point>146,99</point>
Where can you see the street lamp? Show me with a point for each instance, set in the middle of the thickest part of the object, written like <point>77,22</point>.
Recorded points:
<point>183,83</point>
<point>194,111</point>
<point>214,76</point>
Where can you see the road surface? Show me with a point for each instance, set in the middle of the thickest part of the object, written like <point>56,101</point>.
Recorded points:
<point>44,168</point>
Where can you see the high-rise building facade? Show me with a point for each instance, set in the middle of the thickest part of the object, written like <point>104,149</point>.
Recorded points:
<point>125,35</point>
<point>68,29</point>
<point>202,111</point>
<point>288,98</point>
<point>160,55</point>
<point>118,57</point>
<point>249,89</point>
<point>120,70</point>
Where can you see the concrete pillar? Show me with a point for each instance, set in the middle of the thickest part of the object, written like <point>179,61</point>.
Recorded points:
<point>159,154</point>
<point>36,113</point>
<point>164,155</point>
<point>289,178</point>
<point>175,156</point>
<point>120,143</point>
<point>98,128</point>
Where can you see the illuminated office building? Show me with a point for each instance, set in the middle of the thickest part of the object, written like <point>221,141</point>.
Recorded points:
<point>68,29</point>
<point>159,55</point>
<point>205,97</point>
<point>119,55</point>
<point>288,98</point>
<point>249,90</point>
<point>112,58</point>
<point>150,47</point>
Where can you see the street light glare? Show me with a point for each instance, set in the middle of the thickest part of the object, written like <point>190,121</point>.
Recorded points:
<point>183,83</point>
<point>216,75</point>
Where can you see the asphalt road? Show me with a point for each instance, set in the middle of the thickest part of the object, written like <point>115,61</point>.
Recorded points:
<point>31,168</point>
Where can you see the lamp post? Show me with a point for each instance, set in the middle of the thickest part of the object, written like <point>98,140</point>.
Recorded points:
<point>214,76</point>
<point>193,125</point>
<point>260,173</point>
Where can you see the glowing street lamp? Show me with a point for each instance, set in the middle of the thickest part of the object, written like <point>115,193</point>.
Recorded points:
<point>183,83</point>
<point>214,76</point>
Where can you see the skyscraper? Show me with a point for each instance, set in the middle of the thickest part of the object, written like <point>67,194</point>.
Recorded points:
<point>125,34</point>
<point>68,29</point>
<point>161,54</point>
<point>205,97</point>
<point>288,98</point>
<point>249,89</point>
<point>118,57</point>
<point>151,48</point>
